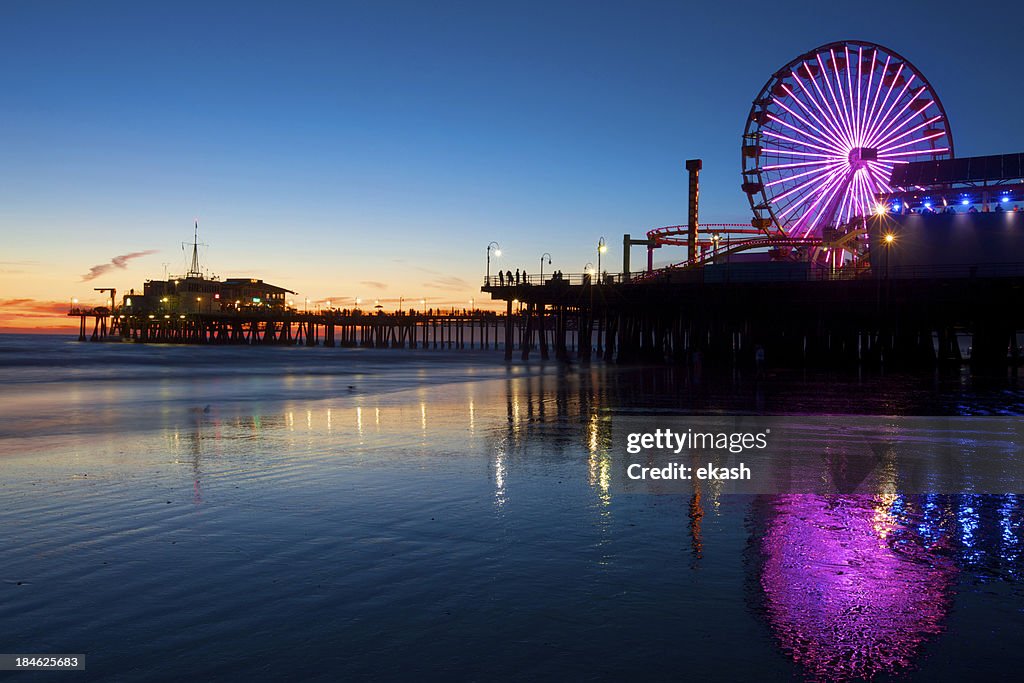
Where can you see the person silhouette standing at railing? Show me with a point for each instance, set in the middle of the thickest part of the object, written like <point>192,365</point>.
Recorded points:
<point>501,279</point>
<point>517,277</point>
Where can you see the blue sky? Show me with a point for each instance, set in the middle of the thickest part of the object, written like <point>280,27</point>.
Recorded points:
<point>325,146</point>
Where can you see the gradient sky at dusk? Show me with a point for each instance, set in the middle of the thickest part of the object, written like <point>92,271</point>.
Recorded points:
<point>373,149</point>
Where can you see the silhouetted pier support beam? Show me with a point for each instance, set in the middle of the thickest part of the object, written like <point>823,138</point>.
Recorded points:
<point>542,329</point>
<point>990,346</point>
<point>561,348</point>
<point>508,330</point>
<point>527,342</point>
<point>627,242</point>
<point>693,167</point>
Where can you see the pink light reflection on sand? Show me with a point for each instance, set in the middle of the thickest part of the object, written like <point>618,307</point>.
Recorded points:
<point>843,598</point>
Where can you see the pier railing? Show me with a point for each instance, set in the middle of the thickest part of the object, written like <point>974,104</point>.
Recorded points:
<point>567,279</point>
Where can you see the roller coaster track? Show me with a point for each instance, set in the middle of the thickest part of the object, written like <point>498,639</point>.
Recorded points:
<point>843,241</point>
<point>676,235</point>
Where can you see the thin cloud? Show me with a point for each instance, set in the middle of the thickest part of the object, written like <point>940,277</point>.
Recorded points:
<point>33,307</point>
<point>118,263</point>
<point>373,284</point>
<point>449,282</point>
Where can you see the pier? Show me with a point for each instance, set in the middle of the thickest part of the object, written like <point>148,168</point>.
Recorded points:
<point>712,316</point>
<point>466,329</point>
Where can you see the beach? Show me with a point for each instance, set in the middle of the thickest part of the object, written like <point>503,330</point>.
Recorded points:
<point>315,513</point>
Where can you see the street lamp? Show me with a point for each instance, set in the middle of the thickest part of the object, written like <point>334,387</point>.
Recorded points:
<point>497,252</point>
<point>306,308</point>
<point>589,269</point>
<point>542,265</point>
<point>888,239</point>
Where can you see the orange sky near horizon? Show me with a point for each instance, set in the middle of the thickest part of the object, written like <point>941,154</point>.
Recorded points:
<point>30,290</point>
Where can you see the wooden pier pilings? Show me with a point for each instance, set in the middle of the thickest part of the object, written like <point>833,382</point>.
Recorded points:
<point>482,330</point>
<point>822,322</point>
<point>899,322</point>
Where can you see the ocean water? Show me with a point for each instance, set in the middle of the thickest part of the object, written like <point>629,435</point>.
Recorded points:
<point>226,513</point>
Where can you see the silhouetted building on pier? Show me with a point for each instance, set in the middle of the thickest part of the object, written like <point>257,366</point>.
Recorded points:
<point>206,295</point>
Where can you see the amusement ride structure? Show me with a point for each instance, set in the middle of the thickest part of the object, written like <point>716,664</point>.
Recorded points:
<point>820,144</point>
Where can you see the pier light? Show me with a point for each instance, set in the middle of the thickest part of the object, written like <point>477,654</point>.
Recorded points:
<point>358,301</point>
<point>182,317</point>
<point>471,303</point>
<point>889,238</point>
<point>1005,199</point>
<point>328,304</point>
<point>497,252</point>
<point>423,302</point>
<point>167,317</point>
<point>965,202</point>
<point>151,316</point>
<point>880,210</point>
<point>602,247</point>
<point>128,301</point>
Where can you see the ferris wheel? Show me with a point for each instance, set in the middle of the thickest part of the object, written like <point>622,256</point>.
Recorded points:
<point>826,130</point>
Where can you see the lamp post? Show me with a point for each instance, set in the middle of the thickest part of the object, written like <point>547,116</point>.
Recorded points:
<point>889,239</point>
<point>542,265</point>
<point>497,252</point>
<point>602,247</point>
